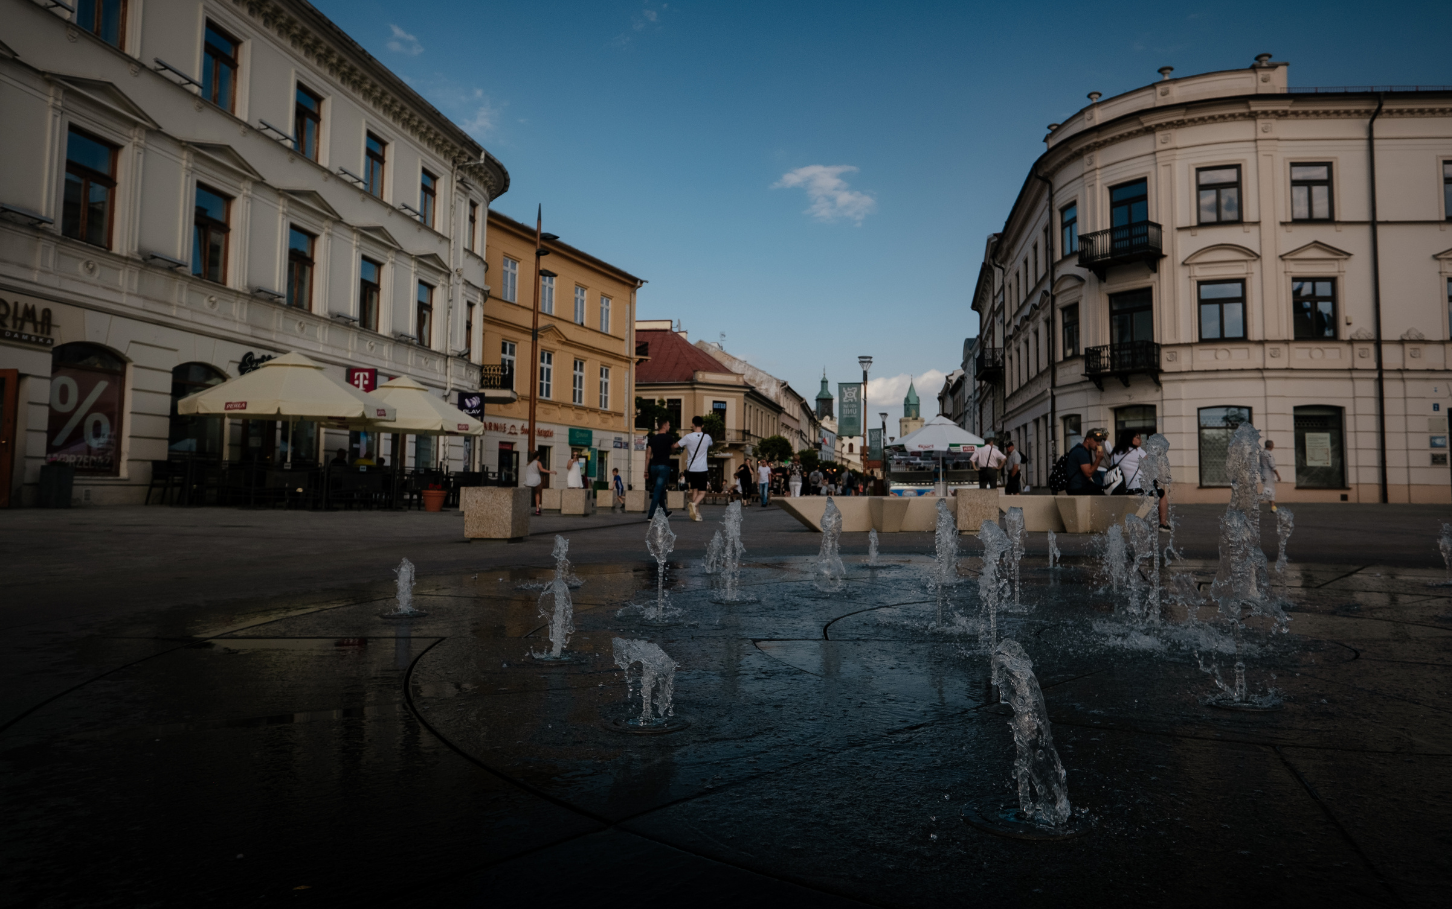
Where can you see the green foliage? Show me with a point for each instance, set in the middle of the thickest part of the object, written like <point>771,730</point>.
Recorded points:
<point>715,427</point>
<point>809,459</point>
<point>774,449</point>
<point>648,414</point>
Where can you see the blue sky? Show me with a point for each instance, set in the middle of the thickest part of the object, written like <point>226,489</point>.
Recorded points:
<point>817,180</point>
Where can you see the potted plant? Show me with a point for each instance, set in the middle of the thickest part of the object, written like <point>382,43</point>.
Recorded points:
<point>433,497</point>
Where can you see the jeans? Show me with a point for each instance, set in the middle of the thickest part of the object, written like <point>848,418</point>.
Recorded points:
<point>659,474</point>
<point>765,493</point>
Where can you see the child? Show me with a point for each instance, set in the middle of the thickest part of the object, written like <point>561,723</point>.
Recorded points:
<point>618,485</point>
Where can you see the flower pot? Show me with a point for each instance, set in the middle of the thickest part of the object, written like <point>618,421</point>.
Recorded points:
<point>433,499</point>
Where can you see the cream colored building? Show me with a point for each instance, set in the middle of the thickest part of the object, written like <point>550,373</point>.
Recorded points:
<point>205,186</point>
<point>796,422</point>
<point>1211,249</point>
<point>584,357</point>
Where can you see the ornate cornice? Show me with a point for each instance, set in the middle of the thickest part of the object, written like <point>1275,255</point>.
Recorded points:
<point>357,71</point>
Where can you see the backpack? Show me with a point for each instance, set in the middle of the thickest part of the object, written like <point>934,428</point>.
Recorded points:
<point>1059,474</point>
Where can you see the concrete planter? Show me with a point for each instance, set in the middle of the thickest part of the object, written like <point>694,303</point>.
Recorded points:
<point>495,512</point>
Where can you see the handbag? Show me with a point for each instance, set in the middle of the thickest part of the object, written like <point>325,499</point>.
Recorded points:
<point>1112,478</point>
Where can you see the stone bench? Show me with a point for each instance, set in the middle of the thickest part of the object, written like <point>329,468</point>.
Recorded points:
<point>495,512</point>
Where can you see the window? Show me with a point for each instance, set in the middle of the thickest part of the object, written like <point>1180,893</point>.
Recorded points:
<point>1036,262</point>
<point>370,284</point>
<point>1217,425</point>
<point>1320,454</point>
<point>1071,430</point>
<point>1447,189</point>
<point>87,389</point>
<point>1069,229</point>
<point>209,235</point>
<point>604,388</point>
<point>1310,192</point>
<point>219,68</point>
<point>428,192</point>
<point>673,412</point>
<point>506,359</point>
<point>90,184</point>
<point>423,451</point>
<point>300,269</point>
<point>307,122</point>
<point>375,158</point>
<point>473,226</point>
<point>509,290</point>
<point>194,433</point>
<point>1138,417</point>
<point>1313,308</point>
<point>1219,194</point>
<point>1129,203</point>
<point>1222,310</point>
<point>1070,321</point>
<point>577,383</point>
<point>106,19</point>
<point>423,321</point>
<point>469,331</point>
<point>547,294</point>
<point>579,305</point>
<point>1131,317</point>
<point>605,314</point>
<point>546,373</point>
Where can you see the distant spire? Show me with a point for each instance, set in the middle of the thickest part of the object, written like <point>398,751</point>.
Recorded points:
<point>910,405</point>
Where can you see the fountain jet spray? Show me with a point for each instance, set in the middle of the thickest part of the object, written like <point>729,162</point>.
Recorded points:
<point>730,554</point>
<point>555,604</point>
<point>660,540</point>
<point>831,573</point>
<point>657,679</point>
<point>405,608</point>
<point>1014,528</point>
<point>1043,792</point>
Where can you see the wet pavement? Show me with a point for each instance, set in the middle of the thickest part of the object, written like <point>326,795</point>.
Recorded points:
<point>267,736</point>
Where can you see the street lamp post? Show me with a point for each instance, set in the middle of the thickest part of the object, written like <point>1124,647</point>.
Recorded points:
<point>539,275</point>
<point>866,363</point>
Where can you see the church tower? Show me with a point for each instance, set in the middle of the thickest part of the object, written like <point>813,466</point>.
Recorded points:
<point>824,400</point>
<point>911,420</point>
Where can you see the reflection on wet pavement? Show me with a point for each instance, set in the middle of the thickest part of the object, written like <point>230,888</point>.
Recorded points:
<point>832,742</point>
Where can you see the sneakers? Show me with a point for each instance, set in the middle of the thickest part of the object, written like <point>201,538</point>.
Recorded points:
<point>691,510</point>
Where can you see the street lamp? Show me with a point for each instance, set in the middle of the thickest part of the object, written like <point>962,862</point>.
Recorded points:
<point>866,363</point>
<point>539,274</point>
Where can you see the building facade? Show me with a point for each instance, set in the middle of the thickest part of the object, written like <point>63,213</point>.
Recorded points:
<point>270,187</point>
<point>1224,248</point>
<point>693,383</point>
<point>797,422</point>
<point>583,360</point>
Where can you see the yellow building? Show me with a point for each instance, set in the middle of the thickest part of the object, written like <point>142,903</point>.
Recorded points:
<point>583,355</point>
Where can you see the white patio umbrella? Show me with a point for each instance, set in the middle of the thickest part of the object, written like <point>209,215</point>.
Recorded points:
<point>421,413</point>
<point>939,434</point>
<point>290,387</point>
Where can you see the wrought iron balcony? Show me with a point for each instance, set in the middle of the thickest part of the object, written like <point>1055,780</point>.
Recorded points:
<point>1122,361</point>
<point>989,365</point>
<point>1103,249</point>
<point>496,376</point>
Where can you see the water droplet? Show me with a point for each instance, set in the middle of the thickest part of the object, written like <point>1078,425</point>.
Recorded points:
<point>933,837</point>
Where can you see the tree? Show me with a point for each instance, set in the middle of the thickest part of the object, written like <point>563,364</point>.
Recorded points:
<point>715,427</point>
<point>774,448</point>
<point>809,458</point>
<point>648,414</point>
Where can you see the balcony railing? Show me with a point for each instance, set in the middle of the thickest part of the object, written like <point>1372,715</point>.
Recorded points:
<point>496,376</point>
<point>1103,249</point>
<point>1122,361</point>
<point>989,364</point>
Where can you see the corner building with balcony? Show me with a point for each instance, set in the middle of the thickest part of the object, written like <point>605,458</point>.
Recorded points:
<point>1213,249</point>
<point>190,188</point>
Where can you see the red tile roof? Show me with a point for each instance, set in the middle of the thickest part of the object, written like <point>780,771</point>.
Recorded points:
<point>672,359</point>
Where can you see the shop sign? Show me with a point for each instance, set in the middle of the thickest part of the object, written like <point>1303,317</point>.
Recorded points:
<point>471,403</point>
<point>363,378</point>
<point>1318,449</point>
<point>619,442</point>
<point>517,429</point>
<point>85,418</point>
<point>26,323</point>
<point>640,443</point>
<point>582,437</point>
<point>251,361</point>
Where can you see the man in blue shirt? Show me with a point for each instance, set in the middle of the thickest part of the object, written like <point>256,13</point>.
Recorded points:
<point>1084,459</point>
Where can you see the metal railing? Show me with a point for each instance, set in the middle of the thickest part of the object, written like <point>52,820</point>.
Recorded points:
<point>1141,241</point>
<point>496,376</point>
<point>989,363</point>
<point>1122,360</point>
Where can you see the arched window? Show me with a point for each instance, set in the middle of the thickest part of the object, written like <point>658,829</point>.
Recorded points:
<point>87,392</point>
<point>193,433</point>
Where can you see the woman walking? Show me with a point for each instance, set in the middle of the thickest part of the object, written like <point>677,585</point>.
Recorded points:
<point>573,480</point>
<point>533,478</point>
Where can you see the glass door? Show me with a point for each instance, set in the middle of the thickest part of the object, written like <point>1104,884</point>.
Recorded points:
<point>1129,214</point>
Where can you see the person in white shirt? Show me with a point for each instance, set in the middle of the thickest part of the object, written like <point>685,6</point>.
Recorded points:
<point>988,459</point>
<point>573,477</point>
<point>763,481</point>
<point>533,478</point>
<point>1268,474</point>
<point>794,480</point>
<point>697,446</point>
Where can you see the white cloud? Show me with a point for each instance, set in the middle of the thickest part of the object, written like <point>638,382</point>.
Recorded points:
<point>404,43</point>
<point>482,122</point>
<point>890,390</point>
<point>830,196</point>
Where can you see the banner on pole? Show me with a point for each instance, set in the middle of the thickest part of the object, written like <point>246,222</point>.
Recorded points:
<point>849,412</point>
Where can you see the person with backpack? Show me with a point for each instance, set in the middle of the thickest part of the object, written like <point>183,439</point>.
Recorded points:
<point>1081,462</point>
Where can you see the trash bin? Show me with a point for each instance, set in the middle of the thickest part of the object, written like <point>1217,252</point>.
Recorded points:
<point>56,482</point>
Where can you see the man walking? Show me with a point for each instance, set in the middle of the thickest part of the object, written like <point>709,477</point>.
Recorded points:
<point>697,445</point>
<point>988,459</point>
<point>815,478</point>
<point>1013,471</point>
<point>660,467</point>
<point>763,481</point>
<point>1268,474</point>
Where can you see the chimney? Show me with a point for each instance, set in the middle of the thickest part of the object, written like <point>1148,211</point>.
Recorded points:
<point>1094,97</point>
<point>1262,60</point>
<point>1165,73</point>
